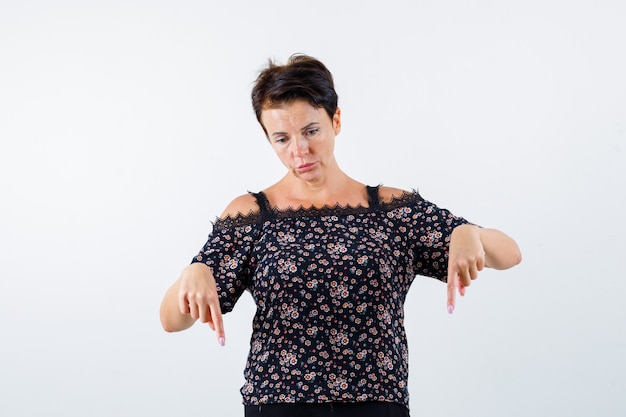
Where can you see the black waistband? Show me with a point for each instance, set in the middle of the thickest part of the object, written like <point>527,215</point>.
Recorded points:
<point>359,409</point>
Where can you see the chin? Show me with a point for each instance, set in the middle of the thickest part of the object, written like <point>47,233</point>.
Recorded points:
<point>308,176</point>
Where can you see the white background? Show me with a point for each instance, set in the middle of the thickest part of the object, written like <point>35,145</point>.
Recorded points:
<point>126,127</point>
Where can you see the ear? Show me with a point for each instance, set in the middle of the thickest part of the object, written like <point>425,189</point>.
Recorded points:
<point>337,121</point>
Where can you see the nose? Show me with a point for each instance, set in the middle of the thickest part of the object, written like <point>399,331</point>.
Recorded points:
<point>300,147</point>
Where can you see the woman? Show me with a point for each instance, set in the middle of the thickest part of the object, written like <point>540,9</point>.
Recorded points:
<point>328,261</point>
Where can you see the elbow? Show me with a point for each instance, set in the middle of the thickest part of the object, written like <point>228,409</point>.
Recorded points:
<point>168,328</point>
<point>502,252</point>
<point>171,326</point>
<point>167,323</point>
<point>172,321</point>
<point>517,258</point>
<point>513,257</point>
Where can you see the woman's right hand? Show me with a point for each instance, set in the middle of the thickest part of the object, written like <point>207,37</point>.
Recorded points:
<point>193,296</point>
<point>197,296</point>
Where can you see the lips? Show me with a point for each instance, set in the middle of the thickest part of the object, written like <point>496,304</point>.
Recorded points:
<point>306,167</point>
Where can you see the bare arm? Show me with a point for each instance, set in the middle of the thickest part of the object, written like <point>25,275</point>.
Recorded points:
<point>501,252</point>
<point>193,296</point>
<point>172,319</point>
<point>471,249</point>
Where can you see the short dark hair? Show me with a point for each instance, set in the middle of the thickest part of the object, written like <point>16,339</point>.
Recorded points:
<point>303,77</point>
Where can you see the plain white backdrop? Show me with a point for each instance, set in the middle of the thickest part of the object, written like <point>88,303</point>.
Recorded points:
<point>126,128</point>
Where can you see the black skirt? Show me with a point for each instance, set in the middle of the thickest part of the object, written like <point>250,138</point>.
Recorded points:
<point>360,409</point>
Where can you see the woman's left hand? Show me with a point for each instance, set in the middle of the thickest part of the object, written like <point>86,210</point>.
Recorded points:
<point>471,249</point>
<point>466,257</point>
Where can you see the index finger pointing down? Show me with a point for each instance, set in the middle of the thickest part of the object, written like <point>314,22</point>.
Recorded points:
<point>452,283</point>
<point>217,323</point>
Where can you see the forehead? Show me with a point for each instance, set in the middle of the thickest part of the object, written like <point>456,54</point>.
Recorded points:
<point>297,112</point>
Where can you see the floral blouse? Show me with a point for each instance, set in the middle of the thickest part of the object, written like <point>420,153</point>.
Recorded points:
<point>329,285</point>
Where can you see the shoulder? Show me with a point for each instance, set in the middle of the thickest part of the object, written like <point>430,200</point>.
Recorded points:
<point>389,194</point>
<point>241,206</point>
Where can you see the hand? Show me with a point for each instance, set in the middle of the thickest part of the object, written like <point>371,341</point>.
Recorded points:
<point>197,296</point>
<point>466,257</point>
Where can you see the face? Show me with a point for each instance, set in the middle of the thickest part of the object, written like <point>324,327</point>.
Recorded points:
<point>303,137</point>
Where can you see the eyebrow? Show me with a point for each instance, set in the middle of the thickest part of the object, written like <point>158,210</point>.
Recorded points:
<point>301,129</point>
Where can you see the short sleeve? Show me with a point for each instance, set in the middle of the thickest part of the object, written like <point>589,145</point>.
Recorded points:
<point>228,252</point>
<point>431,229</point>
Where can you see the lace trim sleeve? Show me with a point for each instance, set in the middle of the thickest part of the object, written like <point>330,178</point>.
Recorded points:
<point>269,213</point>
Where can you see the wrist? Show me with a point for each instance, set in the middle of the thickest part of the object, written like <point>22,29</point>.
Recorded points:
<point>467,229</point>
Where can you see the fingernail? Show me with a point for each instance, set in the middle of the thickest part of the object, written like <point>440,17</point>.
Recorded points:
<point>450,308</point>
<point>221,341</point>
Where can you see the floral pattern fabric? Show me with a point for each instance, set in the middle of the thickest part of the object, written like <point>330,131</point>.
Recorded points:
<point>329,285</point>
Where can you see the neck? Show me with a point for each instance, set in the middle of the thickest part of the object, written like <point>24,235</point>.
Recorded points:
<point>332,188</point>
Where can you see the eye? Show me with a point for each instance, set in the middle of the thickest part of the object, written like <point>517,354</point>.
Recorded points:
<point>280,139</point>
<point>311,132</point>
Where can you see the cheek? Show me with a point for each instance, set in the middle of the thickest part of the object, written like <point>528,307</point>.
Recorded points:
<point>282,154</point>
